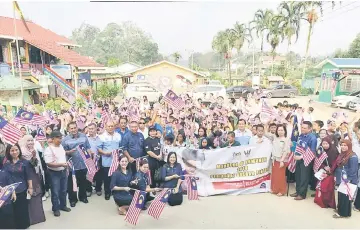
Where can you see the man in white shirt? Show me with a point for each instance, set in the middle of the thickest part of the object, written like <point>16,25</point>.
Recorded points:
<point>55,159</point>
<point>242,134</point>
<point>259,139</point>
<point>143,129</point>
<point>308,116</point>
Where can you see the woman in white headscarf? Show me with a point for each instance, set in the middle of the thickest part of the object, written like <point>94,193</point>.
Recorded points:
<point>29,153</point>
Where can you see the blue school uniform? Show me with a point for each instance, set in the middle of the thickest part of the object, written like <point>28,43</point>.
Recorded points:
<point>166,171</point>
<point>120,179</point>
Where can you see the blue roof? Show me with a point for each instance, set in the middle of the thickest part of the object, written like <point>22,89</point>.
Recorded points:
<point>346,61</point>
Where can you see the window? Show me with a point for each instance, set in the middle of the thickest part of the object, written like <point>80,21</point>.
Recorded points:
<point>145,89</point>
<point>287,87</point>
<point>204,89</point>
<point>279,87</point>
<point>350,84</point>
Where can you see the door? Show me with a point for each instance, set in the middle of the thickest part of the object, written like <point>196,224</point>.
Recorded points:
<point>287,89</point>
<point>278,91</point>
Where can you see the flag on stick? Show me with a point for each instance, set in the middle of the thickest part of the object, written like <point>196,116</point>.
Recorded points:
<point>137,204</point>
<point>114,162</point>
<point>173,100</point>
<point>320,158</point>
<point>192,191</point>
<point>90,165</point>
<point>10,133</point>
<point>73,176</point>
<point>158,204</point>
<point>28,118</point>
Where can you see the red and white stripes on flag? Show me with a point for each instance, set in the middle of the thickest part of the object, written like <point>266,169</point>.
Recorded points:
<point>158,204</point>
<point>265,108</point>
<point>308,156</point>
<point>137,160</point>
<point>191,186</point>
<point>114,162</point>
<point>104,117</point>
<point>28,118</point>
<point>173,100</point>
<point>319,160</point>
<point>90,165</point>
<point>9,132</point>
<point>292,162</point>
<point>134,210</point>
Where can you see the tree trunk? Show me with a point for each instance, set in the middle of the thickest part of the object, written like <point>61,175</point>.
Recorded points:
<point>272,64</point>
<point>307,48</point>
<point>230,71</point>
<point>287,61</point>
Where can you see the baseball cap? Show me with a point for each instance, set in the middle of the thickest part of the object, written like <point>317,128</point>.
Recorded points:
<point>55,134</point>
<point>152,128</point>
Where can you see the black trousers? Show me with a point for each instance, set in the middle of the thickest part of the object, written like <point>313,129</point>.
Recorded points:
<point>175,199</point>
<point>107,180</point>
<point>357,199</point>
<point>82,184</point>
<point>21,211</point>
<point>344,205</point>
<point>45,185</point>
<point>7,218</point>
<point>312,180</point>
<point>302,177</point>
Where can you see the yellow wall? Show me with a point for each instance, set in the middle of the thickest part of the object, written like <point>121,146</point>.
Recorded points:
<point>163,77</point>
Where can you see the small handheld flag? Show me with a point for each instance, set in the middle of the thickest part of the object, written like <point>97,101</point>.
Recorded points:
<point>6,192</point>
<point>320,158</point>
<point>137,204</point>
<point>10,133</point>
<point>192,191</point>
<point>90,165</point>
<point>158,204</point>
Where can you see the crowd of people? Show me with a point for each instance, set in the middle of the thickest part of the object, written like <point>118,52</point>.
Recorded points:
<point>147,135</point>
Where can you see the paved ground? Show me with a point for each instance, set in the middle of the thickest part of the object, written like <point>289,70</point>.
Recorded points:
<point>244,211</point>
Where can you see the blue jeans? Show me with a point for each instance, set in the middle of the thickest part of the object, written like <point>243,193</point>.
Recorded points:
<point>58,189</point>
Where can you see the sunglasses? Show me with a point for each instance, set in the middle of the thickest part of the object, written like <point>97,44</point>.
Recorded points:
<point>141,123</point>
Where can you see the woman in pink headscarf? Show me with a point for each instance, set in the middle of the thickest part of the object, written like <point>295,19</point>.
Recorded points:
<point>36,211</point>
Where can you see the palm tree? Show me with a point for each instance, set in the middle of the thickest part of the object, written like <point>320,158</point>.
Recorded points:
<point>176,57</point>
<point>260,24</point>
<point>309,8</point>
<point>275,36</point>
<point>241,33</point>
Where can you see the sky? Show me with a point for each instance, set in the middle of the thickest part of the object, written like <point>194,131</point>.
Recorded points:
<point>187,27</point>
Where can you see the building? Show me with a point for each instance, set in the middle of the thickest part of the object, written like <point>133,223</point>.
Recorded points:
<point>268,61</point>
<point>272,81</point>
<point>43,52</point>
<point>340,76</point>
<point>165,75</point>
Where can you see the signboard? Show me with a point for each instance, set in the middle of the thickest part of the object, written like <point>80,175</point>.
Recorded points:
<point>236,170</point>
<point>63,70</point>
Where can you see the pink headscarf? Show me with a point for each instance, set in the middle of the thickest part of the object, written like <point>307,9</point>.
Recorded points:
<point>26,149</point>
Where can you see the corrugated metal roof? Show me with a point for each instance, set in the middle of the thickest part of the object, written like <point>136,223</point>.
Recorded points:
<point>45,40</point>
<point>13,83</point>
<point>346,61</point>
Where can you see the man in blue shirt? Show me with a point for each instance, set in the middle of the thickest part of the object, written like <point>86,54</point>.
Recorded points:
<point>108,142</point>
<point>70,144</point>
<point>94,142</point>
<point>122,130</point>
<point>133,145</point>
<point>302,175</point>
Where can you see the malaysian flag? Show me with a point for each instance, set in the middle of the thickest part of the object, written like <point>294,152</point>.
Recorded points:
<point>158,204</point>
<point>73,176</point>
<point>6,192</point>
<point>40,135</point>
<point>114,162</point>
<point>192,191</point>
<point>90,165</point>
<point>137,204</point>
<point>173,100</point>
<point>308,156</point>
<point>28,118</point>
<point>148,174</point>
<point>50,117</point>
<point>265,108</point>
<point>320,158</point>
<point>303,149</point>
<point>9,132</point>
<point>292,162</point>
<point>104,117</point>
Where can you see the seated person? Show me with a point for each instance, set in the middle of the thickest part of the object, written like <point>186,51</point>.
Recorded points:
<point>120,182</point>
<point>141,180</point>
<point>171,174</point>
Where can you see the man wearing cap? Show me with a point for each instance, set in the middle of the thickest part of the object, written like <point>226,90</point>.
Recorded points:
<point>70,144</point>
<point>153,148</point>
<point>55,159</point>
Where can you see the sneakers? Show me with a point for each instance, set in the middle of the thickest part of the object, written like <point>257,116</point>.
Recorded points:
<point>57,213</point>
<point>44,198</point>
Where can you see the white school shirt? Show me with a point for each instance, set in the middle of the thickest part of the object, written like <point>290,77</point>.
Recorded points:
<point>56,155</point>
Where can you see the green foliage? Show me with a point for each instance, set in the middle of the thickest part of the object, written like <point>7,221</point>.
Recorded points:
<point>306,91</point>
<point>354,49</point>
<point>116,43</point>
<point>106,92</point>
<point>176,57</point>
<point>56,105</point>
<point>80,103</point>
<point>86,92</point>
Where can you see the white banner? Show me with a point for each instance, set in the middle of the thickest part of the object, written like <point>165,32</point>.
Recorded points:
<point>233,171</point>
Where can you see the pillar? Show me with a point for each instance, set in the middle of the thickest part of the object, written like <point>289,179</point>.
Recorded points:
<point>26,47</point>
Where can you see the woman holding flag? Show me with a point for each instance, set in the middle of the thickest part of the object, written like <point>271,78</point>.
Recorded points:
<point>325,191</point>
<point>141,180</point>
<point>120,182</point>
<point>171,174</point>
<point>347,161</point>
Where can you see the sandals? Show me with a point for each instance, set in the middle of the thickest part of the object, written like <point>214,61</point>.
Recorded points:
<point>337,216</point>
<point>279,194</point>
<point>356,210</point>
<point>122,212</point>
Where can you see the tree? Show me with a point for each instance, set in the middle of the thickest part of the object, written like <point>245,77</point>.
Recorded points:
<point>309,8</point>
<point>241,32</point>
<point>116,43</point>
<point>275,36</point>
<point>261,23</point>
<point>289,18</point>
<point>176,57</point>
<point>354,49</point>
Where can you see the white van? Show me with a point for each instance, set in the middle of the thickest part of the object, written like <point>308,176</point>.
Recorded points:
<point>204,91</point>
<point>140,90</point>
